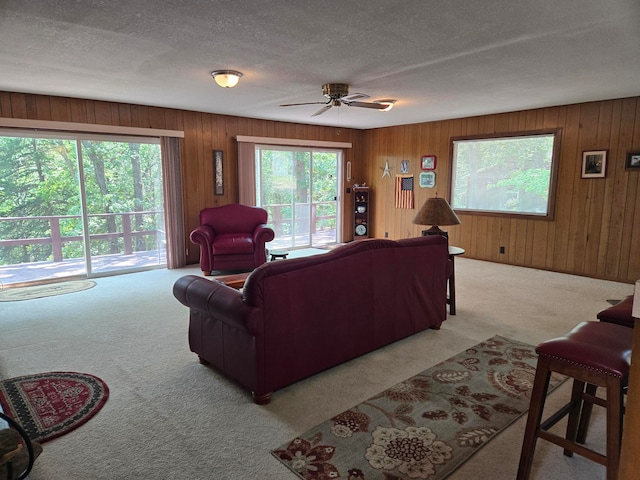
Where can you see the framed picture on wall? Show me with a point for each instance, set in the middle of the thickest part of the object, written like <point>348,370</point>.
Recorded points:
<point>633,161</point>
<point>594,164</point>
<point>218,177</point>
<point>427,179</point>
<point>428,162</point>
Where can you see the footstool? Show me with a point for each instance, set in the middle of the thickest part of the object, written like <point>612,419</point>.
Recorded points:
<point>275,254</point>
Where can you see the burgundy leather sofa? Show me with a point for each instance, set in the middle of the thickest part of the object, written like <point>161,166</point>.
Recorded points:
<point>232,237</point>
<point>297,317</point>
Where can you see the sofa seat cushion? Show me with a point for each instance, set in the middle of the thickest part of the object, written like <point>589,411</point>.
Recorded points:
<point>232,244</point>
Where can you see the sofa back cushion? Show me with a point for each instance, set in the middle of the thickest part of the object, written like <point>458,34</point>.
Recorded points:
<point>323,310</point>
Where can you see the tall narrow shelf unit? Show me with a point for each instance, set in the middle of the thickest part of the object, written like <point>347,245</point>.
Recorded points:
<point>361,213</point>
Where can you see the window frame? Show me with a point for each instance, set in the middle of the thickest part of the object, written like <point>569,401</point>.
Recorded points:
<point>553,180</point>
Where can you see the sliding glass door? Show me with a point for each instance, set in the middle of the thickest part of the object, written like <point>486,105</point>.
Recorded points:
<point>122,186</point>
<point>299,189</point>
<point>78,206</point>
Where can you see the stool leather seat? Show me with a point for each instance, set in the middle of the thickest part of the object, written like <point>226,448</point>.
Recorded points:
<point>589,345</point>
<point>619,313</point>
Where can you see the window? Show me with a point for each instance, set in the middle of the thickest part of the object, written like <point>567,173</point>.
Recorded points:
<point>511,174</point>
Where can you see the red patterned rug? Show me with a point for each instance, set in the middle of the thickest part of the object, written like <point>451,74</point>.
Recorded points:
<point>48,405</point>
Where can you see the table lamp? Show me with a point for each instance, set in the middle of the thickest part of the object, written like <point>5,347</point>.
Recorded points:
<point>436,211</point>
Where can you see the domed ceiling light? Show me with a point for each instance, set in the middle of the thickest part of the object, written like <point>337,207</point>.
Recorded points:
<point>226,78</point>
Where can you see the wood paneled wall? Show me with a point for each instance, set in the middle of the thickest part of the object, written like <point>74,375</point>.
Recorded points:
<point>596,229</point>
<point>203,133</point>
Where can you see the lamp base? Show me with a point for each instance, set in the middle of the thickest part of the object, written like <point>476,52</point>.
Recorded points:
<point>435,230</point>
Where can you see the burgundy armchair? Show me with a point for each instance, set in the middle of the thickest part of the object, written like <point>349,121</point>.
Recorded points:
<point>232,237</point>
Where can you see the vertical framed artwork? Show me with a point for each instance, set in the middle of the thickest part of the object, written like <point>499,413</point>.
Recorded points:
<point>594,164</point>
<point>218,177</point>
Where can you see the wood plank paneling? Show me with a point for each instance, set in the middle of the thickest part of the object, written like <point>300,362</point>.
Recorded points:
<point>204,132</point>
<point>595,232</point>
<point>596,228</point>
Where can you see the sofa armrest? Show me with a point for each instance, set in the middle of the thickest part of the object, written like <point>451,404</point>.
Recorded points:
<point>218,301</point>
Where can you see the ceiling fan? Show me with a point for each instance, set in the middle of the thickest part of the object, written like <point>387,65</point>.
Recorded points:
<point>338,94</point>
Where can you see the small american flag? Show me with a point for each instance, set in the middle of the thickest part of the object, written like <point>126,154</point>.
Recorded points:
<point>404,191</point>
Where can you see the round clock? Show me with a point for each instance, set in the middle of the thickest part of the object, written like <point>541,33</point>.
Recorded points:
<point>361,230</point>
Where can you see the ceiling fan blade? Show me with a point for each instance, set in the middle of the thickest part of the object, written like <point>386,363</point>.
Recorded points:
<point>307,103</point>
<point>353,97</point>
<point>321,111</point>
<point>377,106</point>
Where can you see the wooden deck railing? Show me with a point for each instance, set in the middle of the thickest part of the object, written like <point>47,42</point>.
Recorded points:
<point>56,239</point>
<point>278,221</point>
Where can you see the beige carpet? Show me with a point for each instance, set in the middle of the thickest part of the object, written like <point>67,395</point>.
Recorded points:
<point>168,417</point>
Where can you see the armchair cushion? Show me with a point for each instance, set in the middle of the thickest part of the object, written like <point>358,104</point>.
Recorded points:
<point>233,244</point>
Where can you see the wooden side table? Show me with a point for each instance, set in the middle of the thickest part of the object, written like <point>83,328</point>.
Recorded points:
<point>234,281</point>
<point>451,281</point>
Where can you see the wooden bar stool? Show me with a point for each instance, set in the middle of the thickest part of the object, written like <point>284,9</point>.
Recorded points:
<point>593,353</point>
<point>620,314</point>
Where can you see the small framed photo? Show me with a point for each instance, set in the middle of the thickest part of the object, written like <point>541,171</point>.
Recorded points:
<point>633,161</point>
<point>404,166</point>
<point>428,162</point>
<point>218,177</point>
<point>594,164</point>
<point>427,179</point>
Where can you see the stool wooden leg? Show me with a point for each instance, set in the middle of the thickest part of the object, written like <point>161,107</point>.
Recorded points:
<point>614,426</point>
<point>574,414</point>
<point>585,416</point>
<point>536,407</point>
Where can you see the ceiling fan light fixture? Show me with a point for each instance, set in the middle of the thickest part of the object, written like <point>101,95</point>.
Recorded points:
<point>386,104</point>
<point>226,78</point>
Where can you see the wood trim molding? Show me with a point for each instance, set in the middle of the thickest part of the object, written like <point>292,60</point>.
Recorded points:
<point>88,127</point>
<point>292,142</point>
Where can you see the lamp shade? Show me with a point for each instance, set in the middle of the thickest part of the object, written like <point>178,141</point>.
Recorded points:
<point>436,211</point>
<point>226,78</point>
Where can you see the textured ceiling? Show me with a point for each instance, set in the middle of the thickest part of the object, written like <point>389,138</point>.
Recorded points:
<point>439,58</point>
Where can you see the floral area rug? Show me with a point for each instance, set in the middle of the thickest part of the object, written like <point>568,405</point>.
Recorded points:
<point>47,405</point>
<point>426,426</point>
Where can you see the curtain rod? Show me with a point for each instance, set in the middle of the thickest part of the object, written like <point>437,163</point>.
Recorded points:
<point>293,141</point>
<point>87,127</point>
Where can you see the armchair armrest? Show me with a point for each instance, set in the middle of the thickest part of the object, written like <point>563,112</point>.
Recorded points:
<point>263,234</point>
<point>203,235</point>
